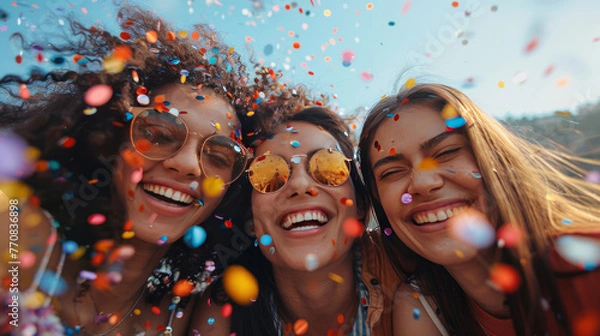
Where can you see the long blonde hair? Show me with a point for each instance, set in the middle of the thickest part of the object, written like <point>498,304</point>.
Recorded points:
<point>535,188</point>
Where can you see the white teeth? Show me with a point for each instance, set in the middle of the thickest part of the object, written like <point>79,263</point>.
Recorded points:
<point>177,196</point>
<point>441,215</point>
<point>169,193</point>
<point>306,216</point>
<point>303,228</point>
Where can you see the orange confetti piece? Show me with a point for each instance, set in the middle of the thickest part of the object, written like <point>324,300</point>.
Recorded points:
<point>300,327</point>
<point>392,151</point>
<point>427,164</point>
<point>171,36</point>
<point>151,36</point>
<point>195,36</point>
<point>336,277</point>
<point>353,228</point>
<point>454,4</point>
<point>159,99</point>
<point>296,45</point>
<point>123,53</point>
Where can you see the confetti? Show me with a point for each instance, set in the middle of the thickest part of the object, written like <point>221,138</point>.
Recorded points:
<point>311,262</point>
<point>213,186</point>
<point>505,277</point>
<point>472,228</point>
<point>98,95</point>
<point>427,164</point>
<point>353,228</point>
<point>300,327</point>
<point>194,236</point>
<point>406,198</point>
<point>240,285</point>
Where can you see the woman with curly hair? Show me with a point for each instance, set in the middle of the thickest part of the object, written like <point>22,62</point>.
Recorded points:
<point>138,150</point>
<point>502,235</point>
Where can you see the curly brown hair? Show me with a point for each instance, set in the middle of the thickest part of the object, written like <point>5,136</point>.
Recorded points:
<point>83,142</point>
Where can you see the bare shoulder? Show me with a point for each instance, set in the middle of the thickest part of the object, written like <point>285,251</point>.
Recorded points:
<point>410,316</point>
<point>207,318</point>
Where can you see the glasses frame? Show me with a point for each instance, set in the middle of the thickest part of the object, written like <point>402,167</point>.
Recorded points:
<point>136,111</point>
<point>308,157</point>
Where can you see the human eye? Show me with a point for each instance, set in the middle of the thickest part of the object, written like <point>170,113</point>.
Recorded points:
<point>392,173</point>
<point>217,156</point>
<point>447,153</point>
<point>158,134</point>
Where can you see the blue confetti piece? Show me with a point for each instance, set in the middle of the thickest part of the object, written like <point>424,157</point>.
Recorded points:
<point>295,143</point>
<point>199,97</point>
<point>228,68</point>
<point>69,247</point>
<point>416,313</point>
<point>566,221</point>
<point>476,175</point>
<point>266,240</point>
<point>194,236</point>
<point>457,122</point>
<point>211,320</point>
<point>212,60</point>
<point>128,116</point>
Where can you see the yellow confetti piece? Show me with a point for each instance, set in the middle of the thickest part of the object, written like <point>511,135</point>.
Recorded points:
<point>327,13</point>
<point>448,112</point>
<point>137,312</point>
<point>218,126</point>
<point>213,186</point>
<point>250,113</point>
<point>90,111</point>
<point>427,164</point>
<point>78,253</point>
<point>35,300</point>
<point>501,84</point>
<point>240,285</point>
<point>411,82</point>
<point>182,34</point>
<point>128,235</point>
<point>113,64</point>
<point>383,97</point>
<point>459,253</point>
<point>183,79</point>
<point>231,50</point>
<point>337,278</point>
<point>563,113</point>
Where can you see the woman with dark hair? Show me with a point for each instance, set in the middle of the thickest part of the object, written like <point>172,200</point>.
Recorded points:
<point>500,234</point>
<point>318,272</point>
<point>136,150</point>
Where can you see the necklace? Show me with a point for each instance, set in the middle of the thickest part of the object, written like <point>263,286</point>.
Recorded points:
<point>106,332</point>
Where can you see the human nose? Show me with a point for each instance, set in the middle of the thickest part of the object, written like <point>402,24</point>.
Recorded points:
<point>300,182</point>
<point>424,181</point>
<point>186,161</point>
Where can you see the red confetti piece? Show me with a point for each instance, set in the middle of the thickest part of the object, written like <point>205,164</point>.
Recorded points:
<point>96,219</point>
<point>392,151</point>
<point>510,235</point>
<point>505,277</point>
<point>125,36</point>
<point>66,142</point>
<point>155,310</point>
<point>228,224</point>
<point>531,45</point>
<point>353,228</point>
<point>226,310</point>
<point>19,59</point>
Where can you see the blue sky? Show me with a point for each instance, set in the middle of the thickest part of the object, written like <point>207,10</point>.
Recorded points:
<point>472,46</point>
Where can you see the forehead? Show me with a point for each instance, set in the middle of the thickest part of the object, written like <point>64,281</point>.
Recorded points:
<point>297,138</point>
<point>202,110</point>
<point>414,125</point>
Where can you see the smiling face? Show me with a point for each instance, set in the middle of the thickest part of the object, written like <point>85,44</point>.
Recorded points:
<point>415,156</point>
<point>165,201</point>
<point>303,217</point>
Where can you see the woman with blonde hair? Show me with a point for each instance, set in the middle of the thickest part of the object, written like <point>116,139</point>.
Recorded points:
<point>487,226</point>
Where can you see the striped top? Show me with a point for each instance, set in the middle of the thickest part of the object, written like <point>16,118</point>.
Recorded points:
<point>360,327</point>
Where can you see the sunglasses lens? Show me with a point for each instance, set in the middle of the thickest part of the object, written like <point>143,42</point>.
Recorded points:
<point>329,167</point>
<point>157,135</point>
<point>223,157</point>
<point>268,173</point>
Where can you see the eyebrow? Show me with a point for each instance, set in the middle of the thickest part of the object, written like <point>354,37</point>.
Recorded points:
<point>425,146</point>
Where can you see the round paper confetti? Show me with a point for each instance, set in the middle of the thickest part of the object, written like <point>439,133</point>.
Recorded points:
<point>240,285</point>
<point>213,186</point>
<point>311,262</point>
<point>300,327</point>
<point>406,198</point>
<point>353,228</point>
<point>98,95</point>
<point>265,240</point>
<point>194,236</point>
<point>505,277</point>
<point>472,228</point>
